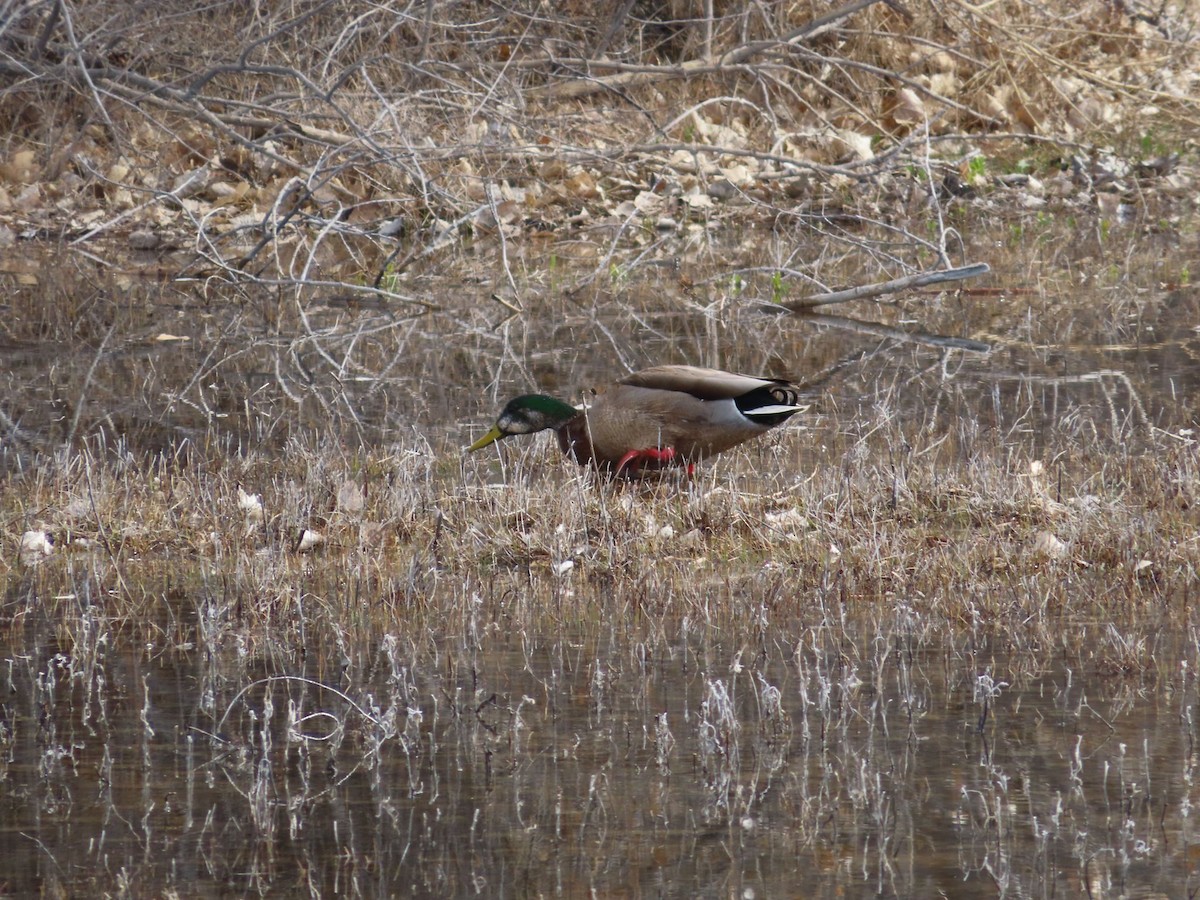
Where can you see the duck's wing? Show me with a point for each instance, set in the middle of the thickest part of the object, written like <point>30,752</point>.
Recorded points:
<point>701,383</point>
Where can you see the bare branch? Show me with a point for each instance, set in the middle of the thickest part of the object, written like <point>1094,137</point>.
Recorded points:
<point>867,291</point>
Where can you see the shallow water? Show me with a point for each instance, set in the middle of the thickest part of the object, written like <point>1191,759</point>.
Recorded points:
<point>806,752</point>
<point>686,768</point>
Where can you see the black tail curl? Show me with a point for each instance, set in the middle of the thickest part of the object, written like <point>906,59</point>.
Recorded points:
<point>754,405</point>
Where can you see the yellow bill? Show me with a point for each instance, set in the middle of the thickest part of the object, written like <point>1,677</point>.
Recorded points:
<point>490,438</point>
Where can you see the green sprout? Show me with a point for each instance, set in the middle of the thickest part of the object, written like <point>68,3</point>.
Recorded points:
<point>778,289</point>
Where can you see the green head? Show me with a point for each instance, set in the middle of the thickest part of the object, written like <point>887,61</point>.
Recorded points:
<point>527,414</point>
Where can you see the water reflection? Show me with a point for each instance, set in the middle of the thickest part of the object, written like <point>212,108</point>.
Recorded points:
<point>573,766</point>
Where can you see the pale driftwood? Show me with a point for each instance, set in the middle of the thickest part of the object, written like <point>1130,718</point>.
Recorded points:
<point>734,57</point>
<point>887,287</point>
<point>875,329</point>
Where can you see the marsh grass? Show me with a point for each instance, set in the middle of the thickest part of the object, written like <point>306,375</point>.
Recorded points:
<point>536,673</point>
<point>414,536</point>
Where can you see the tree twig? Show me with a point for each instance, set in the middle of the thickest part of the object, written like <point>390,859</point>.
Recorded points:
<point>876,329</point>
<point>866,291</point>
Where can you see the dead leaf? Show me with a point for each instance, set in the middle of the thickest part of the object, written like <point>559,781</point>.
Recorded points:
<point>309,541</point>
<point>909,109</point>
<point>647,202</point>
<point>20,168</point>
<point>250,504</point>
<point>35,546</point>
<point>858,144</point>
<point>1047,545</point>
<point>583,184</point>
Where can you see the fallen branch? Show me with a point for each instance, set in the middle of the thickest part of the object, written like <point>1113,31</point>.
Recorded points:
<point>875,329</point>
<point>888,287</point>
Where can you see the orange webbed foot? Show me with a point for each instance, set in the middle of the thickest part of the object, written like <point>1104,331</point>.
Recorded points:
<point>635,458</point>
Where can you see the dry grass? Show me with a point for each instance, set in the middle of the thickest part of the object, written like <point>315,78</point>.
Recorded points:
<point>283,153</point>
<point>980,541</point>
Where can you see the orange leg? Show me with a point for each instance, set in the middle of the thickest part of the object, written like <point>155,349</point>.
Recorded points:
<point>635,458</point>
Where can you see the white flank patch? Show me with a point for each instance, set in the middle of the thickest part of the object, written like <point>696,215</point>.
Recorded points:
<point>725,412</point>
<point>775,410</point>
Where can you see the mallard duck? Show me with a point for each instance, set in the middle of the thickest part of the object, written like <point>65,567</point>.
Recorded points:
<point>659,417</point>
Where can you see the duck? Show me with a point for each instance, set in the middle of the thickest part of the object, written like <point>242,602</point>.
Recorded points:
<point>653,419</point>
